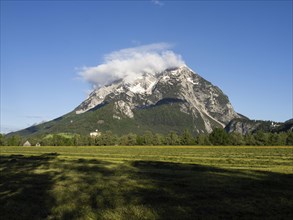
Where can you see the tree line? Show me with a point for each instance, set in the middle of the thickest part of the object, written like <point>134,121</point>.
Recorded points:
<point>217,137</point>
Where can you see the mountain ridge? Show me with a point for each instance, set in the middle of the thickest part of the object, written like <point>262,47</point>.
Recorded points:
<point>160,87</point>
<point>172,100</point>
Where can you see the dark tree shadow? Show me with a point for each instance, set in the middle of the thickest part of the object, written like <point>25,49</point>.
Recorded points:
<point>87,185</point>
<point>24,193</point>
<point>182,191</point>
<point>37,187</point>
<point>186,191</point>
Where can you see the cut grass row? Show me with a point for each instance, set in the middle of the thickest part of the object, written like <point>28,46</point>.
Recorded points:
<point>257,158</point>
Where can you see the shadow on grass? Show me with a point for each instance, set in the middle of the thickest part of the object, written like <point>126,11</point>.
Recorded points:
<point>24,194</point>
<point>184,191</point>
<point>37,187</point>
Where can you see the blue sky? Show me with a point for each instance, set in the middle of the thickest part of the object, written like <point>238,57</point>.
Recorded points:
<point>243,47</point>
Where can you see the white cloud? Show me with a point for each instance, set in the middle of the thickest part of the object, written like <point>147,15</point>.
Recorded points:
<point>130,63</point>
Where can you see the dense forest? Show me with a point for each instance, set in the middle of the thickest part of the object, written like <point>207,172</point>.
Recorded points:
<point>217,137</point>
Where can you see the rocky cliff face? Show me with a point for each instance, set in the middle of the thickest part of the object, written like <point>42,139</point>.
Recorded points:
<point>245,126</point>
<point>205,104</point>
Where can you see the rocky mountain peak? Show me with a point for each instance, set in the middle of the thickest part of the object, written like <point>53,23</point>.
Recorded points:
<point>205,103</point>
<point>172,100</point>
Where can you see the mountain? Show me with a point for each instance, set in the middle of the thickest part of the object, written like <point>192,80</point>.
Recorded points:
<point>245,126</point>
<point>173,100</point>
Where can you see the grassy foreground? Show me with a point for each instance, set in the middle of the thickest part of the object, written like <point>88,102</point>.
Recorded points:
<point>146,182</point>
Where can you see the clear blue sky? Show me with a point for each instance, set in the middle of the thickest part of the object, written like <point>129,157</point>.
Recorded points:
<point>244,47</point>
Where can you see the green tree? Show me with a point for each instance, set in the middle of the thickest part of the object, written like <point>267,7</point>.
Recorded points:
<point>261,138</point>
<point>282,138</point>
<point>172,139</point>
<point>123,140</point>
<point>128,140</point>
<point>249,140</point>
<point>2,140</point>
<point>107,138</point>
<point>140,140</point>
<point>132,139</point>
<point>77,140</point>
<point>68,141</point>
<point>46,141</point>
<point>148,138</point>
<point>219,137</point>
<point>14,140</point>
<point>235,139</point>
<point>289,139</point>
<point>186,138</point>
<point>203,140</point>
<point>158,139</point>
<point>91,141</point>
<point>57,140</point>
<point>277,139</point>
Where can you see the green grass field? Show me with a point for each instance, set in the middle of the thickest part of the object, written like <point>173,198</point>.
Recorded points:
<point>146,182</point>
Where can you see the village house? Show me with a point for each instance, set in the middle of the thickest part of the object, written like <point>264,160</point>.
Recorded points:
<point>95,133</point>
<point>27,143</point>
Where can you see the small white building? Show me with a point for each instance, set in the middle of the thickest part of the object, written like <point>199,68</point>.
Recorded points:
<point>95,133</point>
<point>27,143</point>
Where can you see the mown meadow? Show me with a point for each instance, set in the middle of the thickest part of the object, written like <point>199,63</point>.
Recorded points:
<point>146,182</point>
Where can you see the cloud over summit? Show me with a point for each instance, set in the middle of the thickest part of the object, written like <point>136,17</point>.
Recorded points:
<point>131,63</point>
